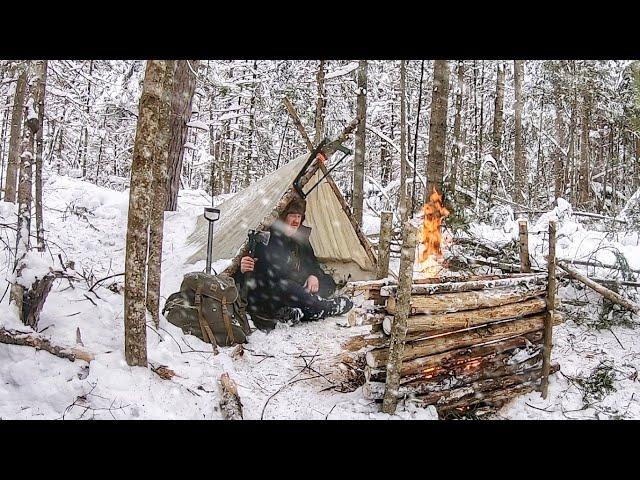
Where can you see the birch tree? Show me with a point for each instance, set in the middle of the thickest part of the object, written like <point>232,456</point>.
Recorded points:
<point>140,197</point>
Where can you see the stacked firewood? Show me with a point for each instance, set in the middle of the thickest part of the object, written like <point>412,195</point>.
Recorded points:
<point>471,342</point>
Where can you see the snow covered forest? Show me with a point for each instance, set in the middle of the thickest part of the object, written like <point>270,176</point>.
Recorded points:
<point>106,166</point>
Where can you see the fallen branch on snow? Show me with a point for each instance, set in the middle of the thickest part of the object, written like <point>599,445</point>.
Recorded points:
<point>12,337</point>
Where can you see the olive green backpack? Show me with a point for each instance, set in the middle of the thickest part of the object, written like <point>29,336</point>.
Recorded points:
<point>209,307</point>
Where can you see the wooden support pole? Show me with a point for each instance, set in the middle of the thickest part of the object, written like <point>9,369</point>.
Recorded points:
<point>525,262</point>
<point>386,225</point>
<point>298,123</point>
<point>551,306</point>
<point>399,329</point>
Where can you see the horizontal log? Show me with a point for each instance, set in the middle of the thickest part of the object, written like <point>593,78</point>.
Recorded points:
<point>497,397</point>
<point>472,393</point>
<point>484,391</point>
<point>372,340</point>
<point>362,316</point>
<point>419,324</point>
<point>468,286</point>
<point>459,301</point>
<point>426,365</point>
<point>462,338</point>
<point>360,286</point>
<point>505,267</point>
<point>461,375</point>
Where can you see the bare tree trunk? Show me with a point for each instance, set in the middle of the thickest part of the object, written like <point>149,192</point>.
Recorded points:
<point>321,104</point>
<point>438,127</point>
<point>185,82</point>
<point>160,181</point>
<point>3,136</point>
<point>252,126</point>
<point>520,169</point>
<point>404,199</point>
<point>456,157</point>
<point>414,193</point>
<point>583,179</point>
<point>498,119</point>
<point>358,159</point>
<point>42,86</point>
<point>140,199</point>
<point>14,140</point>
<point>572,129</point>
<point>23,240</point>
<point>558,160</point>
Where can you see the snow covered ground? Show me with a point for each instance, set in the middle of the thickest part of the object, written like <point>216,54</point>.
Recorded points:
<point>286,374</point>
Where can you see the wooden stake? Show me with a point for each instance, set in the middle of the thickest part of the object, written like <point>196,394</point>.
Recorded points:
<point>386,225</point>
<point>525,262</point>
<point>551,305</point>
<point>399,329</point>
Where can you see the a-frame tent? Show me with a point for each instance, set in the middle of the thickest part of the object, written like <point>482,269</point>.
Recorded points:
<point>336,237</point>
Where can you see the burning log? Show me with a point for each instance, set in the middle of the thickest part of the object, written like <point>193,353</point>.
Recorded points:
<point>420,324</point>
<point>455,302</point>
<point>469,285</point>
<point>462,338</point>
<point>487,390</point>
<point>469,369</point>
<point>456,378</point>
<point>426,365</point>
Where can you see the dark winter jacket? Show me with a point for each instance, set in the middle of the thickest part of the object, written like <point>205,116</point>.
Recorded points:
<point>289,258</point>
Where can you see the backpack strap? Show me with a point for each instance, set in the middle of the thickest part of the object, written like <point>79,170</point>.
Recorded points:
<point>227,321</point>
<point>207,334</point>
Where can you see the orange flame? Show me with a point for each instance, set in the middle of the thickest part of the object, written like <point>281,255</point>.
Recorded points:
<point>430,256</point>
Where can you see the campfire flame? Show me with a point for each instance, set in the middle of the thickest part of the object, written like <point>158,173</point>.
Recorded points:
<point>430,258</point>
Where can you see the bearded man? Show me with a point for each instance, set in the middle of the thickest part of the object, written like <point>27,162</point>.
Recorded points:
<point>288,283</point>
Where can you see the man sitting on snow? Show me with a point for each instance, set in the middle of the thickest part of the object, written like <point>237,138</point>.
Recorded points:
<point>288,283</point>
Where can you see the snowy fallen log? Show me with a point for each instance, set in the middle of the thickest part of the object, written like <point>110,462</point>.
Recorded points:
<point>595,264</point>
<point>12,337</point>
<point>605,292</point>
<point>230,403</point>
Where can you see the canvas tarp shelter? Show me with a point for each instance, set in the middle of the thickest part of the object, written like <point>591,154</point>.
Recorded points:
<point>335,236</point>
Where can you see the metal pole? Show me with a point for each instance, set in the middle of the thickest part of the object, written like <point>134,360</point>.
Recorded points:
<point>209,248</point>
